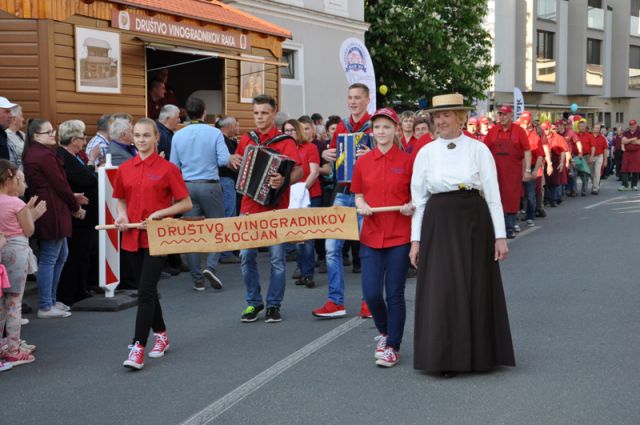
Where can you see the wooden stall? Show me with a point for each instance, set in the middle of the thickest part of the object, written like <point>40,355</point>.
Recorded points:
<point>79,59</point>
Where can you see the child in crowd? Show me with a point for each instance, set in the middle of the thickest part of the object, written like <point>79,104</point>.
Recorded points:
<point>17,224</point>
<point>382,178</point>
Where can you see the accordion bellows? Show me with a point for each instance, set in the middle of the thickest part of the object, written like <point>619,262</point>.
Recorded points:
<point>258,165</point>
<point>347,146</point>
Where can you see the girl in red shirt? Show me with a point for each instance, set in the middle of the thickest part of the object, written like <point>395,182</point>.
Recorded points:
<point>147,187</point>
<point>382,178</point>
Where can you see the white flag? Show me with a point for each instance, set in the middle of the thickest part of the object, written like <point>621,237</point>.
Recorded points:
<point>518,103</point>
<point>358,68</point>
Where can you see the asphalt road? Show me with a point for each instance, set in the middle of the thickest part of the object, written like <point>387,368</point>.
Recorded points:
<point>572,287</point>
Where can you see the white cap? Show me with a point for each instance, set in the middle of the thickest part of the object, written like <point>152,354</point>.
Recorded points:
<point>5,104</point>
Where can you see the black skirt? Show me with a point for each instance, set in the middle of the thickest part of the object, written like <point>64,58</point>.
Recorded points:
<point>461,314</point>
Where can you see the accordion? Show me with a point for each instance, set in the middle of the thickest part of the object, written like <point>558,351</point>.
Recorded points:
<point>347,146</point>
<point>258,165</point>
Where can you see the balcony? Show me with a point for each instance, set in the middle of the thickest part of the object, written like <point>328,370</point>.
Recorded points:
<point>595,75</point>
<point>634,78</point>
<point>546,70</point>
<point>547,9</point>
<point>595,18</point>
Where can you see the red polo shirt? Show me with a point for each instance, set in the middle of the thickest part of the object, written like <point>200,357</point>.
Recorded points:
<point>309,154</point>
<point>356,125</point>
<point>557,143</point>
<point>406,143</point>
<point>384,180</point>
<point>424,140</point>
<point>147,186</point>
<point>587,141</point>
<point>536,149</point>
<point>601,144</point>
<point>286,147</point>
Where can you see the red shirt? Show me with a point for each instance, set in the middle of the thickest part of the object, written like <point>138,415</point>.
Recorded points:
<point>535,143</point>
<point>514,141</point>
<point>571,139</point>
<point>384,180</point>
<point>342,129</point>
<point>424,140</point>
<point>147,186</point>
<point>309,154</point>
<point>557,143</point>
<point>286,147</point>
<point>630,135</point>
<point>587,141</point>
<point>406,143</point>
<point>601,144</point>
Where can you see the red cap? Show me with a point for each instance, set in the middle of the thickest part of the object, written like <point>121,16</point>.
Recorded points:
<point>525,116</point>
<point>473,121</point>
<point>484,120</point>
<point>505,109</point>
<point>546,125</point>
<point>633,122</point>
<point>386,112</point>
<point>561,122</point>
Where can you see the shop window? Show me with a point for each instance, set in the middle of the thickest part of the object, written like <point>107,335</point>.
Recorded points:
<point>634,13</point>
<point>634,67</point>
<point>594,76</point>
<point>547,9</point>
<point>595,15</point>
<point>545,58</point>
<point>288,57</point>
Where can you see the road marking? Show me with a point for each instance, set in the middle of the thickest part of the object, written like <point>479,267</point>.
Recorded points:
<point>218,407</point>
<point>627,212</point>
<point>604,202</point>
<point>524,233</point>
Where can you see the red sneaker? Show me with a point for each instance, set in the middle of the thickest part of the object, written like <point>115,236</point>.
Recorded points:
<point>18,358</point>
<point>161,345</point>
<point>389,358</point>
<point>364,311</point>
<point>381,346</point>
<point>136,357</point>
<point>330,310</point>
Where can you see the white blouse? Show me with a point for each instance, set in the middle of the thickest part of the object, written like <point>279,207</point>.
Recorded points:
<point>469,165</point>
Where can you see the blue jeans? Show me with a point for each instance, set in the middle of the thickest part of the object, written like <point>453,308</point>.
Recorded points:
<point>207,201</point>
<point>510,222</point>
<point>251,277</point>
<point>384,271</point>
<point>53,255</point>
<point>335,269</point>
<point>530,194</point>
<point>305,253</point>
<point>229,198</point>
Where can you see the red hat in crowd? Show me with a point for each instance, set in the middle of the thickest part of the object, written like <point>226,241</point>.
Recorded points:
<point>505,109</point>
<point>561,122</point>
<point>386,112</point>
<point>484,120</point>
<point>525,116</point>
<point>473,121</point>
<point>546,125</point>
<point>633,122</point>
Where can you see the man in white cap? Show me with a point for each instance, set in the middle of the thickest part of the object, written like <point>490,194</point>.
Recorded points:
<point>5,120</point>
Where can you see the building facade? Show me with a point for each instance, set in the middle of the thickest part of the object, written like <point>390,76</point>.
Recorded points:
<point>314,81</point>
<point>561,52</point>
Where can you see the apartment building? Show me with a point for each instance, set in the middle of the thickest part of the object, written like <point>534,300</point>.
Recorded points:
<point>560,52</point>
<point>314,81</point>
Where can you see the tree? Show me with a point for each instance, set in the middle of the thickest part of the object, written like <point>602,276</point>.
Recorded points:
<point>422,48</point>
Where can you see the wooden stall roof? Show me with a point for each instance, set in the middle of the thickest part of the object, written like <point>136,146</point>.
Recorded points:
<point>210,11</point>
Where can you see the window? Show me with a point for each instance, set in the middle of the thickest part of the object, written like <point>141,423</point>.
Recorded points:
<point>595,15</point>
<point>635,22</point>
<point>634,67</point>
<point>547,9</point>
<point>594,75</point>
<point>288,57</point>
<point>619,117</point>
<point>545,59</point>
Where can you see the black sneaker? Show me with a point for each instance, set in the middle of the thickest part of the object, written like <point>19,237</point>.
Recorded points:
<point>511,234</point>
<point>356,268</point>
<point>214,280</point>
<point>322,267</point>
<point>413,272</point>
<point>299,281</point>
<point>297,274</point>
<point>250,314</point>
<point>273,315</point>
<point>308,282</point>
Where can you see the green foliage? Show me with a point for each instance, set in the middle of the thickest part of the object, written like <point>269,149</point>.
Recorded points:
<point>422,48</point>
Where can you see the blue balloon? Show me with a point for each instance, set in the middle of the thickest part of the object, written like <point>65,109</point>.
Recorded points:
<point>422,103</point>
<point>574,108</point>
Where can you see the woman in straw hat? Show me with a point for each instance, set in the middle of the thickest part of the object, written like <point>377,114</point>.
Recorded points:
<point>457,238</point>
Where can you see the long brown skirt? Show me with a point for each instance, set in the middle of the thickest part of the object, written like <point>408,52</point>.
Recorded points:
<point>461,314</point>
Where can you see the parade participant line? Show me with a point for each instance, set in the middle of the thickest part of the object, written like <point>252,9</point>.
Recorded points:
<point>217,408</point>
<point>588,207</point>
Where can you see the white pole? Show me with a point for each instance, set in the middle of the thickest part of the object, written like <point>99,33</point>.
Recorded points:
<point>109,241</point>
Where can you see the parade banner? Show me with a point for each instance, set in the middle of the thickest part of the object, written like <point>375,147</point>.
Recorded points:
<point>173,236</point>
<point>358,67</point>
<point>518,103</point>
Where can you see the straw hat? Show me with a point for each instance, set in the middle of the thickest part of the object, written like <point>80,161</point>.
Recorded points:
<point>448,102</point>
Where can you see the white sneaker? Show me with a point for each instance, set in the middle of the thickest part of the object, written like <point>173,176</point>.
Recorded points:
<point>530,223</point>
<point>24,321</point>
<point>5,366</point>
<point>381,346</point>
<point>53,313</point>
<point>62,306</point>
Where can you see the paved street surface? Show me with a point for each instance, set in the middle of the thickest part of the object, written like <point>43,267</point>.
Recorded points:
<point>572,286</point>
